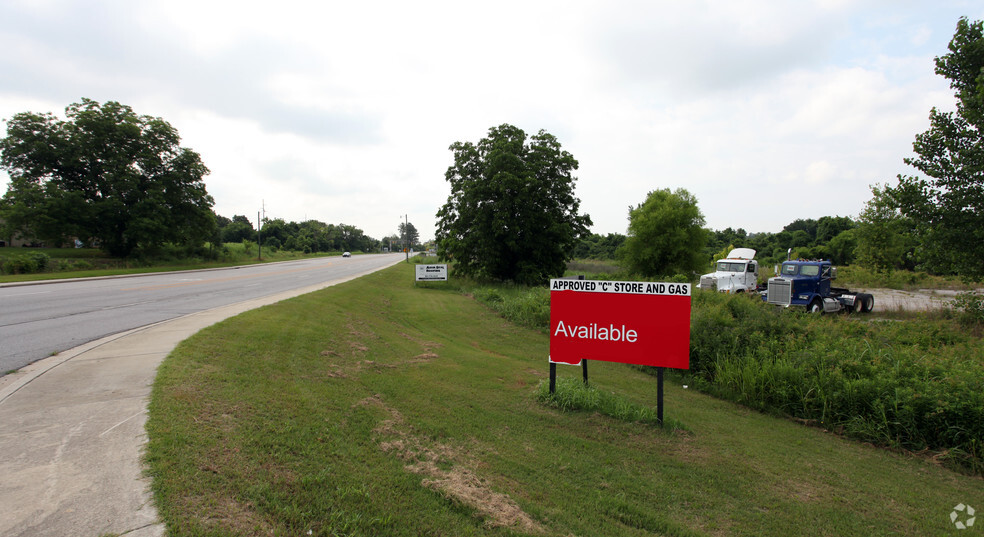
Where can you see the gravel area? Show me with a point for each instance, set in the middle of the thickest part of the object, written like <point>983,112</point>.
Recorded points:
<point>918,300</point>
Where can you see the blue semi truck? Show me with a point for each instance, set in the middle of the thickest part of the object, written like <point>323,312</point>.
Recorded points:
<point>809,284</point>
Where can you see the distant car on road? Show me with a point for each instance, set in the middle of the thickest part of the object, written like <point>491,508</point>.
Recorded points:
<point>347,254</point>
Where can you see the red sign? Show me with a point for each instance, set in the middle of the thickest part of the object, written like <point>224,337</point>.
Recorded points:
<point>642,323</point>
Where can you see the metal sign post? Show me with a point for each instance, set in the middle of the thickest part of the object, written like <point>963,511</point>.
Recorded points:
<point>659,394</point>
<point>553,375</point>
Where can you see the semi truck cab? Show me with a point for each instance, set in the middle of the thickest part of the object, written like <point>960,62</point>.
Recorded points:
<point>809,284</point>
<point>737,273</point>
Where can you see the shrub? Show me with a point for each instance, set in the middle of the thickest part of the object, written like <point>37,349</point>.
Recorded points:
<point>28,263</point>
<point>970,308</point>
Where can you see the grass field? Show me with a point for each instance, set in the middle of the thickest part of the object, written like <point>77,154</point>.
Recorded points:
<point>381,408</point>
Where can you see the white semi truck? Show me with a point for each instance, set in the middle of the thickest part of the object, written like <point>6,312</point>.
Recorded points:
<point>738,273</point>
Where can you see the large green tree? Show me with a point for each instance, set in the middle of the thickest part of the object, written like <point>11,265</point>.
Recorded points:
<point>409,234</point>
<point>885,238</point>
<point>666,235</point>
<point>948,206</point>
<point>512,213</point>
<point>105,175</point>
<point>236,230</point>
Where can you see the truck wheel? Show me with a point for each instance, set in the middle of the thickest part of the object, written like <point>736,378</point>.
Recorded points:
<point>856,308</point>
<point>867,303</point>
<point>816,306</point>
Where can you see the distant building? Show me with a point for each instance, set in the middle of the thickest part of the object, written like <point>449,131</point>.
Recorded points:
<point>14,241</point>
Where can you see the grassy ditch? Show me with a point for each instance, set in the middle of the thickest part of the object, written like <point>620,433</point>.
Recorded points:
<point>378,407</point>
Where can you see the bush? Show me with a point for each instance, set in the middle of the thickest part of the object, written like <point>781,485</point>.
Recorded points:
<point>29,263</point>
<point>524,306</point>
<point>970,308</point>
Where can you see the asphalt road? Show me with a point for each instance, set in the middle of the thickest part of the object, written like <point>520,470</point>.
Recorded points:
<point>39,320</point>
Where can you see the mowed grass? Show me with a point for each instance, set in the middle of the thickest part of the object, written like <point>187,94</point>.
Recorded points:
<point>380,408</point>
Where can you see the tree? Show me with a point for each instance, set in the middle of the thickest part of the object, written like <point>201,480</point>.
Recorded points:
<point>802,232</point>
<point>885,237</point>
<point>409,235</point>
<point>948,208</point>
<point>512,213</point>
<point>841,249</point>
<point>666,235</point>
<point>829,227</point>
<point>106,175</point>
<point>275,232</point>
<point>238,229</point>
<point>392,243</point>
<point>596,246</point>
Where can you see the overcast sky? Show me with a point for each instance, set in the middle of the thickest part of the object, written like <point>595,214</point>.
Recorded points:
<point>765,110</point>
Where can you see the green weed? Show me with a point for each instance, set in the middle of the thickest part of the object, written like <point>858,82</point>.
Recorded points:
<point>573,395</point>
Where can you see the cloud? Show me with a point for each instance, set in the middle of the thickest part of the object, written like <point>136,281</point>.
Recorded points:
<point>698,47</point>
<point>106,50</point>
<point>344,112</point>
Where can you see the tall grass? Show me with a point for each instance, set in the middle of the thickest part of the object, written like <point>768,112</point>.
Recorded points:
<point>573,395</point>
<point>916,385</point>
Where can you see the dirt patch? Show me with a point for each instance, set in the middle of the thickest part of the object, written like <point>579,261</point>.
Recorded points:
<point>447,471</point>
<point>424,358</point>
<point>918,300</point>
<point>490,352</point>
<point>426,346</point>
<point>801,490</point>
<point>235,517</point>
<point>360,329</point>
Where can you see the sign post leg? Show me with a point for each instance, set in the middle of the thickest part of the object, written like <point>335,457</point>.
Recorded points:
<point>584,371</point>
<point>553,377</point>
<point>659,394</point>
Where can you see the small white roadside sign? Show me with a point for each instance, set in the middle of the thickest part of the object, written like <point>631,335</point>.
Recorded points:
<point>432,273</point>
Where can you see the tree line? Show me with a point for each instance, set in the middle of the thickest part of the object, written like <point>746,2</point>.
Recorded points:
<point>310,236</point>
<point>830,237</point>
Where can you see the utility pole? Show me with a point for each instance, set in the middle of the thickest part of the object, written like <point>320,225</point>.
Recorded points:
<point>259,224</point>
<point>406,235</point>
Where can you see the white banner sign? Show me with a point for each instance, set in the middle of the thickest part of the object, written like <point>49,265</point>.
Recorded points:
<point>432,273</point>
